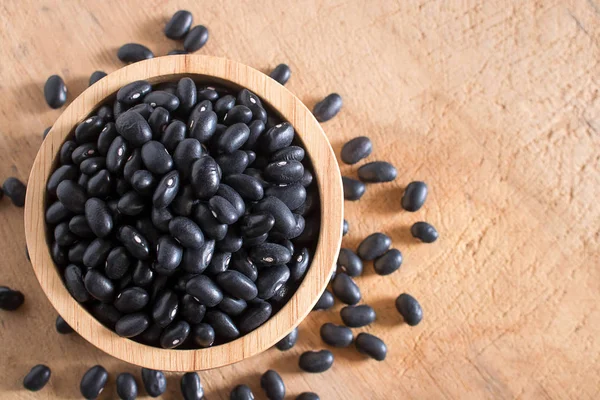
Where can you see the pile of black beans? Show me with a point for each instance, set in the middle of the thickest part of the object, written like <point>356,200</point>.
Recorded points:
<point>182,215</point>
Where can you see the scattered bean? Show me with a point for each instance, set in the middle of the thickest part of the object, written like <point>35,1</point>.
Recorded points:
<point>179,24</point>
<point>371,345</point>
<point>127,386</point>
<point>414,196</point>
<point>346,289</point>
<point>349,262</point>
<point>281,73</point>
<point>241,392</point>
<point>373,246</point>
<point>316,361</point>
<point>356,149</point>
<point>353,189</point>
<point>328,107</point>
<point>195,38</point>
<point>388,262</point>
<point>424,231</point>
<point>273,385</point>
<point>96,76</point>
<point>134,52</point>
<point>377,171</point>
<point>37,378</point>
<point>62,327</point>
<point>325,302</point>
<point>15,190</point>
<point>93,382</point>
<point>336,335</point>
<point>55,92</point>
<point>155,382</point>
<point>357,316</point>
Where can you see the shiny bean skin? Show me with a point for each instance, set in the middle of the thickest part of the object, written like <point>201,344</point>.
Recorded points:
<point>414,196</point>
<point>357,316</point>
<point>371,345</point>
<point>410,309</point>
<point>93,382</point>
<point>316,361</point>
<point>424,231</point>
<point>328,108</point>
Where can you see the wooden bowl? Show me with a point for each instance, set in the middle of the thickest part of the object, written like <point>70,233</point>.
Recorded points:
<point>326,174</point>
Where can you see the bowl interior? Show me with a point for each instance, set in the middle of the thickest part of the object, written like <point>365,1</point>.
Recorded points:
<point>278,100</point>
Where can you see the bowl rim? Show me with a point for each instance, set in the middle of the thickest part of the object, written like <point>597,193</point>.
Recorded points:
<point>326,174</point>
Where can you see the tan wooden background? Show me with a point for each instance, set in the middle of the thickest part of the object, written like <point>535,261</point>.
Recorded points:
<point>494,103</point>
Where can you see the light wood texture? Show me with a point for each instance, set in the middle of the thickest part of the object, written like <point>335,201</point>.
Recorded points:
<point>208,70</point>
<point>493,103</point>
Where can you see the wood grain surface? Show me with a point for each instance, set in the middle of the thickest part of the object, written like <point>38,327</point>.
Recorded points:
<point>493,103</point>
<point>208,71</point>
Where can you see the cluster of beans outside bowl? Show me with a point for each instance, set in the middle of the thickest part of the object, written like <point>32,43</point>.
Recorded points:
<point>183,215</point>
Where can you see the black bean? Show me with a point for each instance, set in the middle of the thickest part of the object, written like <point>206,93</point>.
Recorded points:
<point>281,73</point>
<point>357,316</point>
<point>62,327</point>
<point>10,299</point>
<point>134,52</point>
<point>191,387</point>
<point>155,382</point>
<point>117,155</point>
<point>131,203</point>
<point>308,396</point>
<point>134,92</point>
<point>143,182</point>
<point>98,217</point>
<point>187,94</point>
<point>166,190</point>
<point>288,341</point>
<point>336,335</point>
<point>377,171</point>
<point>241,392</point>
<point>239,113</point>
<point>106,113</point>
<point>291,153</point>
<point>298,265</point>
<point>160,98</point>
<point>133,164</point>
<point>284,219</point>
<point>144,109</point>
<point>134,128</point>
<point>63,235</point>
<point>106,313</point>
<point>92,165</point>
<point>223,210</point>
<point>325,302</point>
<point>373,246</point>
<point>346,289</point>
<point>328,107</point>
<point>273,385</point>
<point>284,172</point>
<point>84,151</point>
<point>257,127</point>
<point>93,382</point>
<point>414,196</point>
<point>76,252</point>
<point>99,286</point>
<point>254,316</point>
<point>74,283</point>
<point>37,378</point>
<point>195,38</point>
<point>79,226</point>
<point>55,92</point>
<point>233,163</point>
<point>224,327</point>
<point>203,335</point>
<point>424,231</point>
<point>179,24</point>
<point>56,213</point>
<point>131,300</point>
<point>196,261</point>
<point>173,135</point>
<point>356,149</point>
<point>158,121</point>
<point>126,386</point>
<point>132,325</point>
<point>205,178</point>
<point>232,306</point>
<point>168,253</point>
<point>105,139</point>
<point>202,122</point>
<point>89,130</point>
<point>247,186</point>
<point>278,137</point>
<point>237,284</point>
<point>186,232</point>
<point>186,153</point>
<point>316,361</point>
<point>72,196</point>
<point>268,254</point>
<point>353,189</point>
<point>410,309</point>
<point>271,279</point>
<point>223,105</point>
<point>233,138</point>
<point>142,274</point>
<point>15,190</point>
<point>96,76</point>
<point>349,262</point>
<point>388,263</point>
<point>66,152</point>
<point>205,290</point>
<point>371,345</point>
<point>241,263</point>
<point>191,310</point>
<point>174,335</point>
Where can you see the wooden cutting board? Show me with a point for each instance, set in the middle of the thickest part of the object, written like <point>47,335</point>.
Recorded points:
<point>494,104</point>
